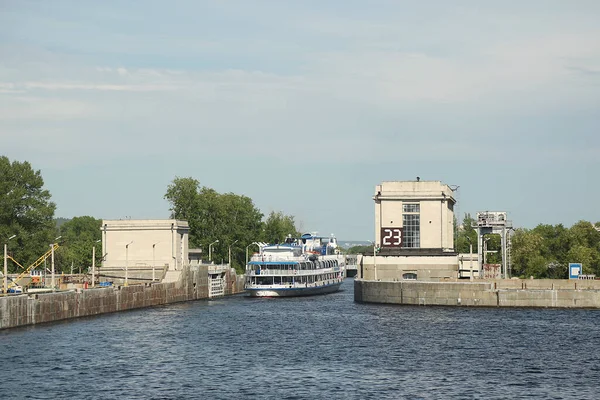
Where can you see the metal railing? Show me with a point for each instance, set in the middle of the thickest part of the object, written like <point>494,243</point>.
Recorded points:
<point>290,272</point>
<point>293,285</point>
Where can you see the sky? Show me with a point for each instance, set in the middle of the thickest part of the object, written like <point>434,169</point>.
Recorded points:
<point>306,106</point>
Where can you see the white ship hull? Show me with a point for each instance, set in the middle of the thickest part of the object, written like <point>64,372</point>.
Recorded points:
<point>275,291</point>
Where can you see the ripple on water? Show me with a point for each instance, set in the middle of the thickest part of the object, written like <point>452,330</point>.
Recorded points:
<point>326,347</point>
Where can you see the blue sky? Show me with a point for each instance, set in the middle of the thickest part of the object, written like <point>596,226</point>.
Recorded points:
<point>305,106</point>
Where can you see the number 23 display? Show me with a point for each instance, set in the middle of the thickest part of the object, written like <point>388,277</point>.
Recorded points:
<point>391,237</point>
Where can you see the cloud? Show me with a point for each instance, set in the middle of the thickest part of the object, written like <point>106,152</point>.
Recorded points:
<point>31,108</point>
<point>365,84</point>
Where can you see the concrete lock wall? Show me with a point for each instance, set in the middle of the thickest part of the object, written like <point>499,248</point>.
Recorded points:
<point>37,308</point>
<point>429,268</point>
<point>525,293</point>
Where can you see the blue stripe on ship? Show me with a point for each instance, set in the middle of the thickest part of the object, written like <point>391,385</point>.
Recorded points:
<point>297,288</point>
<point>273,262</point>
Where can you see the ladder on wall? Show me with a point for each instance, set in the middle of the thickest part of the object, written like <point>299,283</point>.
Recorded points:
<point>216,285</point>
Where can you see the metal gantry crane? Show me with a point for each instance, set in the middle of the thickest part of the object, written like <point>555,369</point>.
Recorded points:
<point>494,222</point>
<point>33,266</point>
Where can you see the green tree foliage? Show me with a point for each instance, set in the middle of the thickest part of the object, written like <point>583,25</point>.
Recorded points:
<point>59,221</point>
<point>278,226</point>
<point>465,233</point>
<point>78,237</point>
<point>231,219</point>
<point>368,249</point>
<point>546,250</point>
<point>25,211</point>
<point>526,253</point>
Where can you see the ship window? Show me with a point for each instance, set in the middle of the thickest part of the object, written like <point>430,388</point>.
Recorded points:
<point>409,276</point>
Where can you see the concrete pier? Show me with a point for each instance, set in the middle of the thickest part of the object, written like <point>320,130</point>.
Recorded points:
<point>496,293</point>
<point>29,309</point>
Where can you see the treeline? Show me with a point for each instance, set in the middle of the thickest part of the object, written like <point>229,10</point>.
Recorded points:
<point>28,225</point>
<point>27,218</point>
<point>542,252</point>
<point>231,219</point>
<point>546,250</point>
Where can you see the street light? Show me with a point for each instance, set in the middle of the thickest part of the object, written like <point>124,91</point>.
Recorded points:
<point>247,250</point>
<point>6,264</point>
<point>470,257</point>
<point>230,251</point>
<point>94,262</point>
<point>153,259</point>
<point>52,248</point>
<point>127,263</point>
<point>485,240</point>
<point>374,258</point>
<point>210,250</point>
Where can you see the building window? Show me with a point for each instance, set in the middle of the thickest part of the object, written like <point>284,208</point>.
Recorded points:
<point>411,223</point>
<point>411,208</point>
<point>409,276</point>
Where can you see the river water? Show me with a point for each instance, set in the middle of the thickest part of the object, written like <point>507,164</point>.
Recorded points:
<point>321,347</point>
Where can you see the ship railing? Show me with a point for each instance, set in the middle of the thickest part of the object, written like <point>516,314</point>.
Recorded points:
<point>293,285</point>
<point>290,272</point>
<point>278,257</point>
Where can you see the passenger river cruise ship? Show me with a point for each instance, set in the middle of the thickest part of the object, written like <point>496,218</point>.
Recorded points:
<point>299,267</point>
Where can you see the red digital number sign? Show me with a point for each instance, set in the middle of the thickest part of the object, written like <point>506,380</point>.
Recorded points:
<point>391,237</point>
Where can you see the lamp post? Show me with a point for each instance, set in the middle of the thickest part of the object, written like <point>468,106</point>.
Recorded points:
<point>52,248</point>
<point>374,259</point>
<point>153,259</point>
<point>247,250</point>
<point>210,250</point>
<point>485,240</point>
<point>6,264</point>
<point>235,241</point>
<point>127,263</point>
<point>470,258</point>
<point>94,263</point>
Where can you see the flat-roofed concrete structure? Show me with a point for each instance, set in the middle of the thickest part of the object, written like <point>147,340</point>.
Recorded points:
<point>147,249</point>
<point>414,232</point>
<point>414,215</point>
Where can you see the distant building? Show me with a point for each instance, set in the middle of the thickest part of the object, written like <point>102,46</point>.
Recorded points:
<point>414,215</point>
<point>414,232</point>
<point>145,248</point>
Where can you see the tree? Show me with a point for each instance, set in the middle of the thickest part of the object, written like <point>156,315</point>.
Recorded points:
<point>556,242</point>
<point>78,238</point>
<point>25,211</point>
<point>584,233</point>
<point>466,233</point>
<point>526,253</point>
<point>231,219</point>
<point>182,194</point>
<point>365,249</point>
<point>587,256</point>
<point>278,226</point>
<point>239,224</point>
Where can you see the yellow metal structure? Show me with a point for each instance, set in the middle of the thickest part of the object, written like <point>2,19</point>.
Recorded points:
<point>15,261</point>
<point>36,264</point>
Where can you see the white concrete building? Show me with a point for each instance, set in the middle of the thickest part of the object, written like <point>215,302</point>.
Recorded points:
<point>143,246</point>
<point>414,232</point>
<point>414,215</point>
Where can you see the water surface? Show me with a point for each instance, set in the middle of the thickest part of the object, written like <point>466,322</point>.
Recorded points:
<point>321,347</point>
